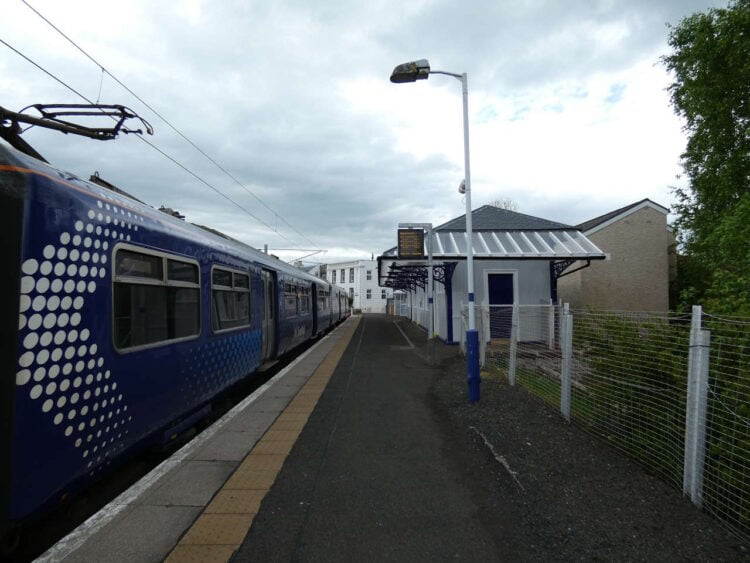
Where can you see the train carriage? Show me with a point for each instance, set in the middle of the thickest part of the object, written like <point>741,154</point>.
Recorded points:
<point>120,323</point>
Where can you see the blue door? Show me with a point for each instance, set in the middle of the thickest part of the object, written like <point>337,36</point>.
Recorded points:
<point>500,292</point>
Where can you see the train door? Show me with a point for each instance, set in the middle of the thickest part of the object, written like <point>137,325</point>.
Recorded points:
<point>269,314</point>
<point>314,293</point>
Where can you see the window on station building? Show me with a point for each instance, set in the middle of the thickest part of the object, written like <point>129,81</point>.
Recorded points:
<point>333,276</point>
<point>369,275</point>
<point>230,299</point>
<point>156,298</point>
<point>351,292</point>
<point>343,275</point>
<point>383,294</point>
<point>368,294</point>
<point>351,275</point>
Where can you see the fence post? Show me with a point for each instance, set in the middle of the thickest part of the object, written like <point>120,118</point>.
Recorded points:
<point>513,348</point>
<point>462,332</point>
<point>696,408</point>
<point>484,319</point>
<point>551,325</point>
<point>566,338</point>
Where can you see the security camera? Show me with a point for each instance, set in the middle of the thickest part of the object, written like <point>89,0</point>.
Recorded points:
<point>462,187</point>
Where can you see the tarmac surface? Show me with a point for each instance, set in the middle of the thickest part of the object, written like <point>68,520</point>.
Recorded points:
<point>394,465</point>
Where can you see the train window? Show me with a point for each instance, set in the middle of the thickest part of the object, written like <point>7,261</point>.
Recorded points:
<point>290,299</point>
<point>221,278</point>
<point>182,271</point>
<point>230,299</point>
<point>138,265</point>
<point>304,303</point>
<point>149,310</point>
<point>241,281</point>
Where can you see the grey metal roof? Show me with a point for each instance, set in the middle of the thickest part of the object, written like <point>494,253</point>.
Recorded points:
<point>490,218</point>
<point>553,244</point>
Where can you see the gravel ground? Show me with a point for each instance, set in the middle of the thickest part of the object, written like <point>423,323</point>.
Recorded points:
<point>569,495</point>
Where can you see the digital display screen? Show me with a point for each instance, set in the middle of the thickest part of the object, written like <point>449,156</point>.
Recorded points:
<point>411,243</point>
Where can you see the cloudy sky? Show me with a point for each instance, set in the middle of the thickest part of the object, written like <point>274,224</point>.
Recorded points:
<point>568,110</point>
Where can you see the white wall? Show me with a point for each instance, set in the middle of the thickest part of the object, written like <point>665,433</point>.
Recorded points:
<point>532,287</point>
<point>376,303</point>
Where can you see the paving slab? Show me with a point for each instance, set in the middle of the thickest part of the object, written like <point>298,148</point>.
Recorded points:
<point>141,533</point>
<point>230,445</point>
<point>192,483</point>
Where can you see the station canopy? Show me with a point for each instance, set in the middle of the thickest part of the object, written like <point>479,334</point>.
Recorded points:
<point>497,234</point>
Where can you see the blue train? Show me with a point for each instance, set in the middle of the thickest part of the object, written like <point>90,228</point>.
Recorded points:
<point>120,324</point>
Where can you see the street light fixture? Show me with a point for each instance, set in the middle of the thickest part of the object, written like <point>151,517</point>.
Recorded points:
<point>420,70</point>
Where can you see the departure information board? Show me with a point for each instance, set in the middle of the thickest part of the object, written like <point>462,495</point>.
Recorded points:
<point>411,244</point>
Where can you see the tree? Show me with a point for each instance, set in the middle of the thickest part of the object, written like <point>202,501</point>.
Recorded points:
<point>506,203</point>
<point>710,63</point>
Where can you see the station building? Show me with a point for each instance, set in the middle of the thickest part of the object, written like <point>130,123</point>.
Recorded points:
<point>518,259</point>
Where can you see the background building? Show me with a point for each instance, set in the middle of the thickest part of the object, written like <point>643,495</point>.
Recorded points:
<point>640,252</point>
<point>360,280</point>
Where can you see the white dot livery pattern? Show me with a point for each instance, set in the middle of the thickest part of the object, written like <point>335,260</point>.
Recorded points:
<point>54,288</point>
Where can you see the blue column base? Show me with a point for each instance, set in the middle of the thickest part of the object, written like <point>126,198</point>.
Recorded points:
<point>472,364</point>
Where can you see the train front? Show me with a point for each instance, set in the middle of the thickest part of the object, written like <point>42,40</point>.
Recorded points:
<point>13,191</point>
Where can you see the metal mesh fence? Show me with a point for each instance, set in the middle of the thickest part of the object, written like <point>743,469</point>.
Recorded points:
<point>629,381</point>
<point>521,342</point>
<point>726,486</point>
<point>671,393</point>
<point>494,334</point>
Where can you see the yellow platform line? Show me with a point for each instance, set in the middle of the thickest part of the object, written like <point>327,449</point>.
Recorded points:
<point>222,526</point>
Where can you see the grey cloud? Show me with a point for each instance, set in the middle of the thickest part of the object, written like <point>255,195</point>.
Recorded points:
<point>253,83</point>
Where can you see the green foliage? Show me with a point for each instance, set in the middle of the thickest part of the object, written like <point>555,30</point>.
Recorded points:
<point>710,63</point>
<point>690,285</point>
<point>729,292</point>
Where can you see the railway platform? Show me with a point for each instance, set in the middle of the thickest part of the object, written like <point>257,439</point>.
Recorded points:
<point>364,449</point>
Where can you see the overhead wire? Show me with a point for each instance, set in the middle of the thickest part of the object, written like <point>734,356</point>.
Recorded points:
<point>152,145</point>
<point>136,96</point>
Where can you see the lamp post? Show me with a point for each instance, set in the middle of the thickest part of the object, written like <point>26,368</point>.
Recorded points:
<point>420,70</point>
